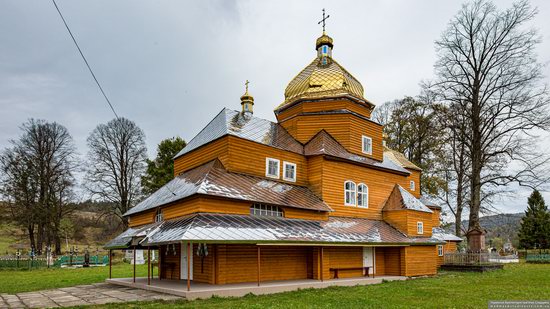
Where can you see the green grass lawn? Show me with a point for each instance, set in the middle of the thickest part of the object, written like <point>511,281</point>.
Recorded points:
<point>15,281</point>
<point>448,290</point>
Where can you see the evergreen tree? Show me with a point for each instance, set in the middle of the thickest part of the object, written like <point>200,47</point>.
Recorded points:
<point>161,170</point>
<point>535,226</point>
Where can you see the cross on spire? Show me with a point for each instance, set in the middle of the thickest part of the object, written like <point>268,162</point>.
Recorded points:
<point>246,85</point>
<point>323,20</point>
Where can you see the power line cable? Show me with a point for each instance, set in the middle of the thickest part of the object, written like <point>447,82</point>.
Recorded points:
<point>85,61</point>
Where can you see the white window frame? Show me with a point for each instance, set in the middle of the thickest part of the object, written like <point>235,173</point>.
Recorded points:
<point>364,196</point>
<point>420,227</point>
<point>159,216</point>
<point>412,185</point>
<point>353,193</point>
<point>363,138</point>
<point>266,210</point>
<point>267,160</point>
<point>439,250</point>
<point>285,163</point>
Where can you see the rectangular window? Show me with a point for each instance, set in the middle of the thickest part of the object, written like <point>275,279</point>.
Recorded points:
<point>412,185</point>
<point>440,250</point>
<point>289,171</point>
<point>367,145</point>
<point>420,228</point>
<point>272,168</point>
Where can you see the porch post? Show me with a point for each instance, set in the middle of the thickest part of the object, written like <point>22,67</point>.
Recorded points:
<point>321,268</point>
<point>373,260</point>
<point>148,266</point>
<point>110,263</point>
<point>258,256</point>
<point>160,263</point>
<point>134,264</point>
<point>188,266</point>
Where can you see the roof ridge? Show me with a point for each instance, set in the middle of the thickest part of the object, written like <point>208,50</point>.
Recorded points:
<point>180,153</point>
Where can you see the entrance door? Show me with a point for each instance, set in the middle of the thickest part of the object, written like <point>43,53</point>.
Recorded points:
<point>368,259</point>
<point>183,268</point>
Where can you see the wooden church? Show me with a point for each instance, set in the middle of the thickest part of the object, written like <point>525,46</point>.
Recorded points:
<point>315,195</point>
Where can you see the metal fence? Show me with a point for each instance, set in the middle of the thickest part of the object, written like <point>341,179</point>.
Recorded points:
<point>538,258</point>
<point>14,262</point>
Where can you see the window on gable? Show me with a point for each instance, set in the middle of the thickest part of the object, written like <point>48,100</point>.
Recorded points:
<point>367,145</point>
<point>412,185</point>
<point>266,210</point>
<point>440,250</point>
<point>158,216</point>
<point>350,193</point>
<point>272,168</point>
<point>420,228</point>
<point>289,171</point>
<point>362,195</point>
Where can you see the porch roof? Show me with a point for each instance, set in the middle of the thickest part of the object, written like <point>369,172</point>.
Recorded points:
<point>125,238</point>
<point>226,228</point>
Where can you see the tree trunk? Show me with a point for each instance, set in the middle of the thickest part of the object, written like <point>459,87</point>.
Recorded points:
<point>30,228</point>
<point>57,244</point>
<point>458,213</point>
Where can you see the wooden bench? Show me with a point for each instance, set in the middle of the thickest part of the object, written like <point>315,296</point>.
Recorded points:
<point>365,270</point>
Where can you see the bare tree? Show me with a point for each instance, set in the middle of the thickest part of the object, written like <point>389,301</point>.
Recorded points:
<point>411,127</point>
<point>488,72</point>
<point>116,162</point>
<point>37,178</point>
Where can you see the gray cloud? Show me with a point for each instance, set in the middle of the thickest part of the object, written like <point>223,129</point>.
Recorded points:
<point>172,65</point>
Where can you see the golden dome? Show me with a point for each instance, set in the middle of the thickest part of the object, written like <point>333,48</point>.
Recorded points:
<point>324,40</point>
<point>322,78</point>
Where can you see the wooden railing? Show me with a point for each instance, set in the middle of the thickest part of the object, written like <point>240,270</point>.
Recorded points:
<point>466,258</point>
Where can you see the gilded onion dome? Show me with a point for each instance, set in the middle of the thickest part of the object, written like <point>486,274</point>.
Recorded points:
<point>322,78</point>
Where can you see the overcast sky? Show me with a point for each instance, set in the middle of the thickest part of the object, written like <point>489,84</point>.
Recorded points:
<point>171,66</point>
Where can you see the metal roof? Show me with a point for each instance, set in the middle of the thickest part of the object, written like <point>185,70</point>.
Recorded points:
<point>212,179</point>
<point>231,122</point>
<point>125,238</point>
<point>440,234</point>
<point>401,199</point>
<point>324,144</point>
<point>246,228</point>
<point>429,201</point>
<point>400,159</point>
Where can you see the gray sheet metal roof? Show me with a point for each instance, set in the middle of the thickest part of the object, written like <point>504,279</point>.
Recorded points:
<point>125,238</point>
<point>244,228</point>
<point>429,201</point>
<point>441,234</point>
<point>411,202</point>
<point>212,179</point>
<point>231,122</point>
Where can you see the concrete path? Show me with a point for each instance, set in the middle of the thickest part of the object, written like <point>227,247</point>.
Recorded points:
<point>100,293</point>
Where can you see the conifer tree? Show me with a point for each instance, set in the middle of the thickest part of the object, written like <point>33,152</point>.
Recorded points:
<point>535,226</point>
<point>161,170</point>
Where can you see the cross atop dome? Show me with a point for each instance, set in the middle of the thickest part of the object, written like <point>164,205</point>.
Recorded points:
<point>323,20</point>
<point>324,42</point>
<point>247,101</point>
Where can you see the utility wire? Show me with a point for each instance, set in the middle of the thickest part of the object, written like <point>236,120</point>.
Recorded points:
<point>84,58</point>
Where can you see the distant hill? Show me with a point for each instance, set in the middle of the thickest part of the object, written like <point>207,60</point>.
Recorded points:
<point>504,226</point>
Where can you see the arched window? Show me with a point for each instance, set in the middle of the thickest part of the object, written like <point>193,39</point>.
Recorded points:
<point>349,189</point>
<point>266,210</point>
<point>362,195</point>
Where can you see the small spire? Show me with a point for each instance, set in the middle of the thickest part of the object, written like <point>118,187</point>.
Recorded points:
<point>247,101</point>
